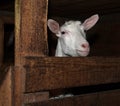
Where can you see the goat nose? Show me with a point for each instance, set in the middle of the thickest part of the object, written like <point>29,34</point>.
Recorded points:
<point>85,45</point>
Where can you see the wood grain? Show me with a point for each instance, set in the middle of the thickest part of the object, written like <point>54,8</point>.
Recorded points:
<point>35,72</point>
<point>107,98</point>
<point>53,73</point>
<point>30,39</point>
<point>31,29</point>
<point>35,97</point>
<point>6,89</point>
<point>19,84</point>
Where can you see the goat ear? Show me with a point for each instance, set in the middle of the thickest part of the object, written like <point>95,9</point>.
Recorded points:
<point>90,22</point>
<point>53,26</point>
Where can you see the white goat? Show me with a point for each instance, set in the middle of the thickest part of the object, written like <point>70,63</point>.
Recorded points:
<point>72,37</point>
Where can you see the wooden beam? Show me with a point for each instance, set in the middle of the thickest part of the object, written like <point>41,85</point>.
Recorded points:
<point>53,73</point>
<point>30,39</point>
<point>19,95</point>
<point>106,98</point>
<point>19,84</point>
<point>31,29</point>
<point>6,88</point>
<point>35,97</point>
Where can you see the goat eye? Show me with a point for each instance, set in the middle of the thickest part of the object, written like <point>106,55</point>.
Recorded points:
<point>63,32</point>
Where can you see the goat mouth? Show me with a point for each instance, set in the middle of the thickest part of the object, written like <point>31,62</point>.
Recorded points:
<point>82,53</point>
<point>86,51</point>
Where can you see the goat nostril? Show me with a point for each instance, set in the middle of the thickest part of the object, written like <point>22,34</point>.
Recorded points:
<point>85,45</point>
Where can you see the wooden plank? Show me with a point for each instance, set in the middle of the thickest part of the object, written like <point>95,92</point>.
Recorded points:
<point>6,89</point>
<point>53,73</point>
<point>1,41</point>
<point>19,84</point>
<point>30,39</point>
<point>35,97</point>
<point>3,71</point>
<point>17,31</point>
<point>31,28</point>
<point>19,96</point>
<point>106,98</point>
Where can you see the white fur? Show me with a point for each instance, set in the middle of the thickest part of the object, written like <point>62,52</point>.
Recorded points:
<point>72,37</point>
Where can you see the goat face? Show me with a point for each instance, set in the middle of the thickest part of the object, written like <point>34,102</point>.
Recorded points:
<point>73,39</point>
<point>71,36</point>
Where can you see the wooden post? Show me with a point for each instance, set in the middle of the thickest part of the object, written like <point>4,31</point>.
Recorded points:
<point>31,29</point>
<point>30,39</point>
<point>1,41</point>
<point>6,89</point>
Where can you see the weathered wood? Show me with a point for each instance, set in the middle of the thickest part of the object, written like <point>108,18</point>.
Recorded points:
<point>34,72</point>
<point>19,84</point>
<point>19,95</point>
<point>52,73</point>
<point>35,97</point>
<point>31,28</point>
<point>17,31</point>
<point>1,41</point>
<point>6,89</point>
<point>107,98</point>
<point>3,71</point>
<point>30,39</point>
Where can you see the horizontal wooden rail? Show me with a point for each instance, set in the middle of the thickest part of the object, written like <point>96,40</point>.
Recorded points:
<point>53,73</point>
<point>108,98</point>
<point>35,97</point>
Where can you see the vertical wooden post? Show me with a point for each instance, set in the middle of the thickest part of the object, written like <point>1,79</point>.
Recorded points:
<point>1,41</point>
<point>31,29</point>
<point>30,39</point>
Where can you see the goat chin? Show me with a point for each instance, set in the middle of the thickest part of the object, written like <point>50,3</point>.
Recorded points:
<point>82,53</point>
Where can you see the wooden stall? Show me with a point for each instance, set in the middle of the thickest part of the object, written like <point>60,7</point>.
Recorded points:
<point>35,76</point>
